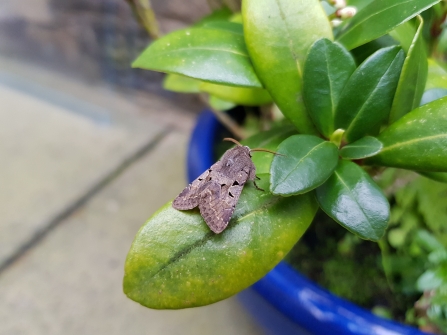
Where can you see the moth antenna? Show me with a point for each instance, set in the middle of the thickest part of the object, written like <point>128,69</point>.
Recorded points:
<point>232,140</point>
<point>267,150</point>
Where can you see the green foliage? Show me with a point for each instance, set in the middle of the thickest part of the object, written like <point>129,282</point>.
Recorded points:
<point>305,163</point>
<point>378,18</point>
<point>365,147</point>
<point>326,73</point>
<point>214,55</point>
<point>413,78</point>
<point>365,104</point>
<point>348,124</point>
<point>278,44</point>
<point>355,201</point>
<point>417,141</point>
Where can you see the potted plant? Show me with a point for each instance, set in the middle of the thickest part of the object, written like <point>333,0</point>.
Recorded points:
<point>352,114</point>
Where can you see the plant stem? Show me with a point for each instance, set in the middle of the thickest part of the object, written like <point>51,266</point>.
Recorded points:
<point>227,121</point>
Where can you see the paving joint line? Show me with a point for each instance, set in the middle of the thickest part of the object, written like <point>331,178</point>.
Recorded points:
<point>84,199</point>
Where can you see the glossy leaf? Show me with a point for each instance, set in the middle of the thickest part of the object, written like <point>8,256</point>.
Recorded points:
<point>326,71</point>
<point>367,97</point>
<point>279,34</point>
<point>412,78</point>
<point>437,176</point>
<point>355,201</point>
<point>233,27</point>
<point>365,147</point>
<point>378,18</point>
<point>176,261</point>
<point>212,55</point>
<point>238,95</point>
<point>181,84</point>
<point>437,76</point>
<point>220,104</point>
<point>404,34</point>
<point>417,141</point>
<point>307,163</point>
<point>270,140</point>
<point>432,95</point>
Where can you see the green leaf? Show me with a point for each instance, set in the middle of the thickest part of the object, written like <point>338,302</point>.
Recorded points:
<point>404,34</point>
<point>355,201</point>
<point>278,34</point>
<point>267,140</point>
<point>437,176</point>
<point>433,94</point>
<point>437,76</point>
<point>417,141</point>
<point>181,84</point>
<point>220,104</point>
<point>412,78</point>
<point>238,95</point>
<point>365,147</point>
<point>367,97</point>
<point>223,14</point>
<point>176,261</point>
<point>212,55</point>
<point>326,71</point>
<point>233,27</point>
<point>378,18</point>
<point>307,163</point>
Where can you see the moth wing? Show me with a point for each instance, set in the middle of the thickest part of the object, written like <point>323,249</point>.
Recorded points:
<point>189,198</point>
<point>217,204</point>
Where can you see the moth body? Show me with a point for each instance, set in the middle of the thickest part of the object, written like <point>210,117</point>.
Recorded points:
<point>217,190</point>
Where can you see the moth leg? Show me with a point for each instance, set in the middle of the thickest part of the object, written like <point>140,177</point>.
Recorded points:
<point>257,177</point>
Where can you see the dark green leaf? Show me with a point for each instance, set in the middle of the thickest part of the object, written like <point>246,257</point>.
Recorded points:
<point>238,95</point>
<point>267,140</point>
<point>404,34</point>
<point>433,94</point>
<point>212,55</point>
<point>176,261</point>
<point>367,97</point>
<point>181,84</point>
<point>378,18</point>
<point>326,71</point>
<point>417,141</point>
<point>365,147</point>
<point>364,51</point>
<point>355,201</point>
<point>222,14</point>
<point>233,27</point>
<point>412,78</point>
<point>308,163</point>
<point>278,35</point>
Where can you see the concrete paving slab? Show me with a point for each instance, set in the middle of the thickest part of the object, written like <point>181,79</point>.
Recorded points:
<point>71,282</point>
<point>52,154</point>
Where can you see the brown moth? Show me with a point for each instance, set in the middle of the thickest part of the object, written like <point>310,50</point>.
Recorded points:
<point>217,190</point>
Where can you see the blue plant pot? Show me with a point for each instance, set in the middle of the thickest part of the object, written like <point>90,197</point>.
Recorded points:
<point>284,302</point>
